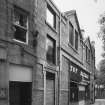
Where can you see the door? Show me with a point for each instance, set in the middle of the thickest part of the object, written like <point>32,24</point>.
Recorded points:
<point>20,93</point>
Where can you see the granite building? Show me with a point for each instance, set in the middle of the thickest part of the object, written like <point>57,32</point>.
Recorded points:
<point>43,55</point>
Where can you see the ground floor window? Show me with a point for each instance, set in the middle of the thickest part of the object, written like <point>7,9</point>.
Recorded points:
<point>87,91</point>
<point>20,93</point>
<point>82,93</point>
<point>73,92</point>
<point>50,88</point>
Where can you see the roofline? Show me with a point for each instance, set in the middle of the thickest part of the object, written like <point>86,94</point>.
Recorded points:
<point>73,12</point>
<point>52,2</point>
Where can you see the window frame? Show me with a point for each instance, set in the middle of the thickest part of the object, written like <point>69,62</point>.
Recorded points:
<point>20,11</point>
<point>71,37</point>
<point>88,54</point>
<point>54,50</point>
<point>50,9</point>
<point>76,40</point>
<point>51,76</point>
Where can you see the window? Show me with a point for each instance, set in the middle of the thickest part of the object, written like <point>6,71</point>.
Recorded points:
<point>87,54</point>
<point>71,34</point>
<point>50,88</point>
<point>76,40</point>
<point>20,23</point>
<point>51,17</point>
<point>51,48</point>
<point>73,92</point>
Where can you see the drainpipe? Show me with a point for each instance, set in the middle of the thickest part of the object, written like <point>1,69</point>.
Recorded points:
<point>59,60</point>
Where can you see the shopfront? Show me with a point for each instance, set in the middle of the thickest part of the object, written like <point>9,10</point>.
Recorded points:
<point>79,84</point>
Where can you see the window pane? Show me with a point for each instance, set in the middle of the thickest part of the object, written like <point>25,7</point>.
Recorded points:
<point>71,34</point>
<point>76,40</point>
<point>20,19</point>
<point>88,55</point>
<point>50,18</point>
<point>20,34</point>
<point>50,88</point>
<point>50,50</point>
<point>23,21</point>
<point>86,52</point>
<point>20,23</point>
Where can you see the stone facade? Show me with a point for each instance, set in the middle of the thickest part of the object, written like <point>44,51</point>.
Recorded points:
<point>69,57</point>
<point>50,82</point>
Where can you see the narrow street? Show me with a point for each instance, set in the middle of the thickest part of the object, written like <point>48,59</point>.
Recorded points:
<point>99,102</point>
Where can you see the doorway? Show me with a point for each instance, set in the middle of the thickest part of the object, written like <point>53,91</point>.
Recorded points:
<point>20,93</point>
<point>20,85</point>
<point>50,88</point>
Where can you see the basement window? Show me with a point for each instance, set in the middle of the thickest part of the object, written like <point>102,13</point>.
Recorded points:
<point>20,22</point>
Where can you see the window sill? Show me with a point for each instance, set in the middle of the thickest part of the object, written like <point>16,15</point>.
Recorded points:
<point>52,28</point>
<point>50,65</point>
<point>73,48</point>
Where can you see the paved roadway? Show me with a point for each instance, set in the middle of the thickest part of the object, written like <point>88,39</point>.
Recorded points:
<point>99,102</point>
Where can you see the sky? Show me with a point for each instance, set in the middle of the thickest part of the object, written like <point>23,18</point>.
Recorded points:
<point>88,13</point>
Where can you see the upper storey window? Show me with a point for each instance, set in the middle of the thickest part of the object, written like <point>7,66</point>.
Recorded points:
<point>73,36</point>
<point>87,54</point>
<point>20,22</point>
<point>76,40</point>
<point>51,17</point>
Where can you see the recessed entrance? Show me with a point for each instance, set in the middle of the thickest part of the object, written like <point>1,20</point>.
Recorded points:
<point>20,85</point>
<point>20,93</point>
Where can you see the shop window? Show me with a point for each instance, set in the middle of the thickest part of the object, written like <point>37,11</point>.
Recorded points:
<point>51,16</point>
<point>20,22</point>
<point>73,92</point>
<point>76,40</point>
<point>71,34</point>
<point>51,50</point>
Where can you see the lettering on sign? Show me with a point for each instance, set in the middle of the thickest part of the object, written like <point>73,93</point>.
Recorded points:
<point>73,69</point>
<point>83,74</point>
<point>80,72</point>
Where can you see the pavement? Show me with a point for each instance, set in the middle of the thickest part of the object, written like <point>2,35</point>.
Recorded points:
<point>99,102</point>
